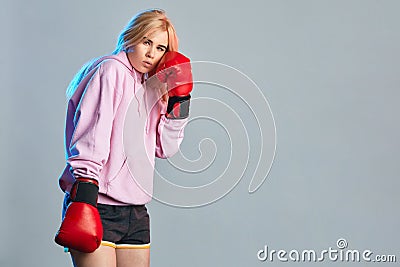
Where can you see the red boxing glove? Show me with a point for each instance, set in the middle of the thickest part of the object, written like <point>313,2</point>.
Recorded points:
<point>81,228</point>
<point>176,71</point>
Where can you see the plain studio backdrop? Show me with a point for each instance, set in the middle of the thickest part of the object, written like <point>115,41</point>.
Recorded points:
<point>330,73</point>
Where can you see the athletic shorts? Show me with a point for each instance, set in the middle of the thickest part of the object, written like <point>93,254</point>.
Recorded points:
<point>123,226</point>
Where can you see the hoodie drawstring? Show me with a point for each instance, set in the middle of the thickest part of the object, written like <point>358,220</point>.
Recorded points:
<point>143,82</point>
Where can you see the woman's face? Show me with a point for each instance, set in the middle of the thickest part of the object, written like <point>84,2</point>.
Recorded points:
<point>145,56</point>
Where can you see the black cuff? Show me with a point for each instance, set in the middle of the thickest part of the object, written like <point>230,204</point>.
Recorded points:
<point>178,107</point>
<point>86,192</point>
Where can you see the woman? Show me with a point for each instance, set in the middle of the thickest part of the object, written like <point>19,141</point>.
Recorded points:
<point>105,220</point>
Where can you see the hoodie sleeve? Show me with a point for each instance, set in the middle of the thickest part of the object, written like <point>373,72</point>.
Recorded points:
<point>93,121</point>
<point>170,135</point>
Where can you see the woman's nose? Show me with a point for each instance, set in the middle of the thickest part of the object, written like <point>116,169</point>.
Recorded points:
<point>150,52</point>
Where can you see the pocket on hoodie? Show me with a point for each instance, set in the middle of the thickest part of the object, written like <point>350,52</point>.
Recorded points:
<point>125,188</point>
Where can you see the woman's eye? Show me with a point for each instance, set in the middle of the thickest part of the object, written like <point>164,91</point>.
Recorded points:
<point>146,42</point>
<point>161,49</point>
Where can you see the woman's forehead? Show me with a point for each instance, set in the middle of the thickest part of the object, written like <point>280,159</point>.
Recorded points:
<point>158,37</point>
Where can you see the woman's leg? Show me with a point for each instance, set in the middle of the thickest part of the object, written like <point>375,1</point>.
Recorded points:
<point>104,256</point>
<point>128,257</point>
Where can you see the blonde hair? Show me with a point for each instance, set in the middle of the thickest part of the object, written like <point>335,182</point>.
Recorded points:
<point>144,24</point>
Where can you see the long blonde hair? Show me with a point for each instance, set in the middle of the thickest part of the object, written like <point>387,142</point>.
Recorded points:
<point>144,24</point>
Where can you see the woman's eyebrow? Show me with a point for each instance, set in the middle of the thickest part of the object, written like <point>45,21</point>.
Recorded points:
<point>149,40</point>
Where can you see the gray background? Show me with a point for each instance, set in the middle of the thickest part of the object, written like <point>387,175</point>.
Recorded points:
<point>330,71</point>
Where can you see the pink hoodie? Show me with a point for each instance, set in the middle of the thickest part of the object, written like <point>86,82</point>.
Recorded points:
<point>100,145</point>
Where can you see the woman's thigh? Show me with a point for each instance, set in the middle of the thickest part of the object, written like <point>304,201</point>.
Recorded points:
<point>104,256</point>
<point>133,257</point>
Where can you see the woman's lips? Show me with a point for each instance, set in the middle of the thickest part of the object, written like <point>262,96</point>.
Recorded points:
<point>147,64</point>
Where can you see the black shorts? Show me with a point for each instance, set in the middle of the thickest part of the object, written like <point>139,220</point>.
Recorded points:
<point>123,226</point>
